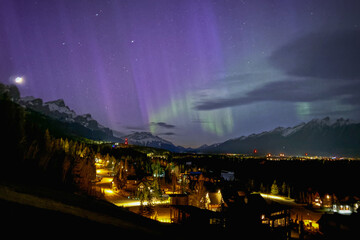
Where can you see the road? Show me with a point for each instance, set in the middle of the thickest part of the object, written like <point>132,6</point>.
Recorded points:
<point>117,198</point>
<point>105,185</point>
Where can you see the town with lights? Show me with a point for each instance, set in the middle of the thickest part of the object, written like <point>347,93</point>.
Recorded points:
<point>194,189</point>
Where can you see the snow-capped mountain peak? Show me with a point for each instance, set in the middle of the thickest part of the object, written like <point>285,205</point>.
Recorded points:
<point>291,130</point>
<point>60,103</point>
<point>342,122</point>
<point>149,140</point>
<point>145,139</point>
<point>317,137</point>
<point>59,106</point>
<point>327,122</point>
<point>320,122</point>
<point>59,110</point>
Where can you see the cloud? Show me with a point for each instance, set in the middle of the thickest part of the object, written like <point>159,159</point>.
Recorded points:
<point>221,103</point>
<point>296,90</point>
<point>284,90</point>
<point>317,67</point>
<point>329,55</point>
<point>152,124</point>
<point>167,133</point>
<point>162,124</point>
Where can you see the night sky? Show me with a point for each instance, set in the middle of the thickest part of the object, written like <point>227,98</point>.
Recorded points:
<point>192,72</point>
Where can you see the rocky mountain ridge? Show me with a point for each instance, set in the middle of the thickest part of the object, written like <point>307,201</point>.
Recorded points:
<point>317,137</point>
<point>57,109</point>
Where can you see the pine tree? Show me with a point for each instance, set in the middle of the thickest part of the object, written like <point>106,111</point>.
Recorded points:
<point>262,188</point>
<point>85,151</point>
<point>48,140</point>
<point>289,191</point>
<point>274,188</point>
<point>71,147</point>
<point>283,189</point>
<point>66,146</point>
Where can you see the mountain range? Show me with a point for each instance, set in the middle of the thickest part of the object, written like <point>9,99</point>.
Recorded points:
<point>316,137</point>
<point>321,137</point>
<point>83,125</point>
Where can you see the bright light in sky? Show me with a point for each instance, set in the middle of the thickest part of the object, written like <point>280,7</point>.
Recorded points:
<point>19,80</point>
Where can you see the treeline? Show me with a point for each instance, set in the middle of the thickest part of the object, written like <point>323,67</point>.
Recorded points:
<point>30,153</point>
<point>294,178</point>
<point>60,161</point>
<point>36,149</point>
<point>304,177</point>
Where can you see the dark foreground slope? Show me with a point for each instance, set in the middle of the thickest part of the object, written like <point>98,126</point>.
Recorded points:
<point>47,213</point>
<point>34,211</point>
<point>32,221</point>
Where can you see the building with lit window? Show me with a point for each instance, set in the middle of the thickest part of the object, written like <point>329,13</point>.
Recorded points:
<point>346,206</point>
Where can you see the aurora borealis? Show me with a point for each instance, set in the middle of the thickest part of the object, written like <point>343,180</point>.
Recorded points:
<point>192,72</point>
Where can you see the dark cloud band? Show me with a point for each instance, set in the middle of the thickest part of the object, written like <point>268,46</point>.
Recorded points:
<point>319,66</point>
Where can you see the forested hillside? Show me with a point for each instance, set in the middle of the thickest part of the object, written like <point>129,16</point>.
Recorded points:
<point>35,155</point>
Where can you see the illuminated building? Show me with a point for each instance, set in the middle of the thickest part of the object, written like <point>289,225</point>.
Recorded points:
<point>346,206</point>
<point>316,202</point>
